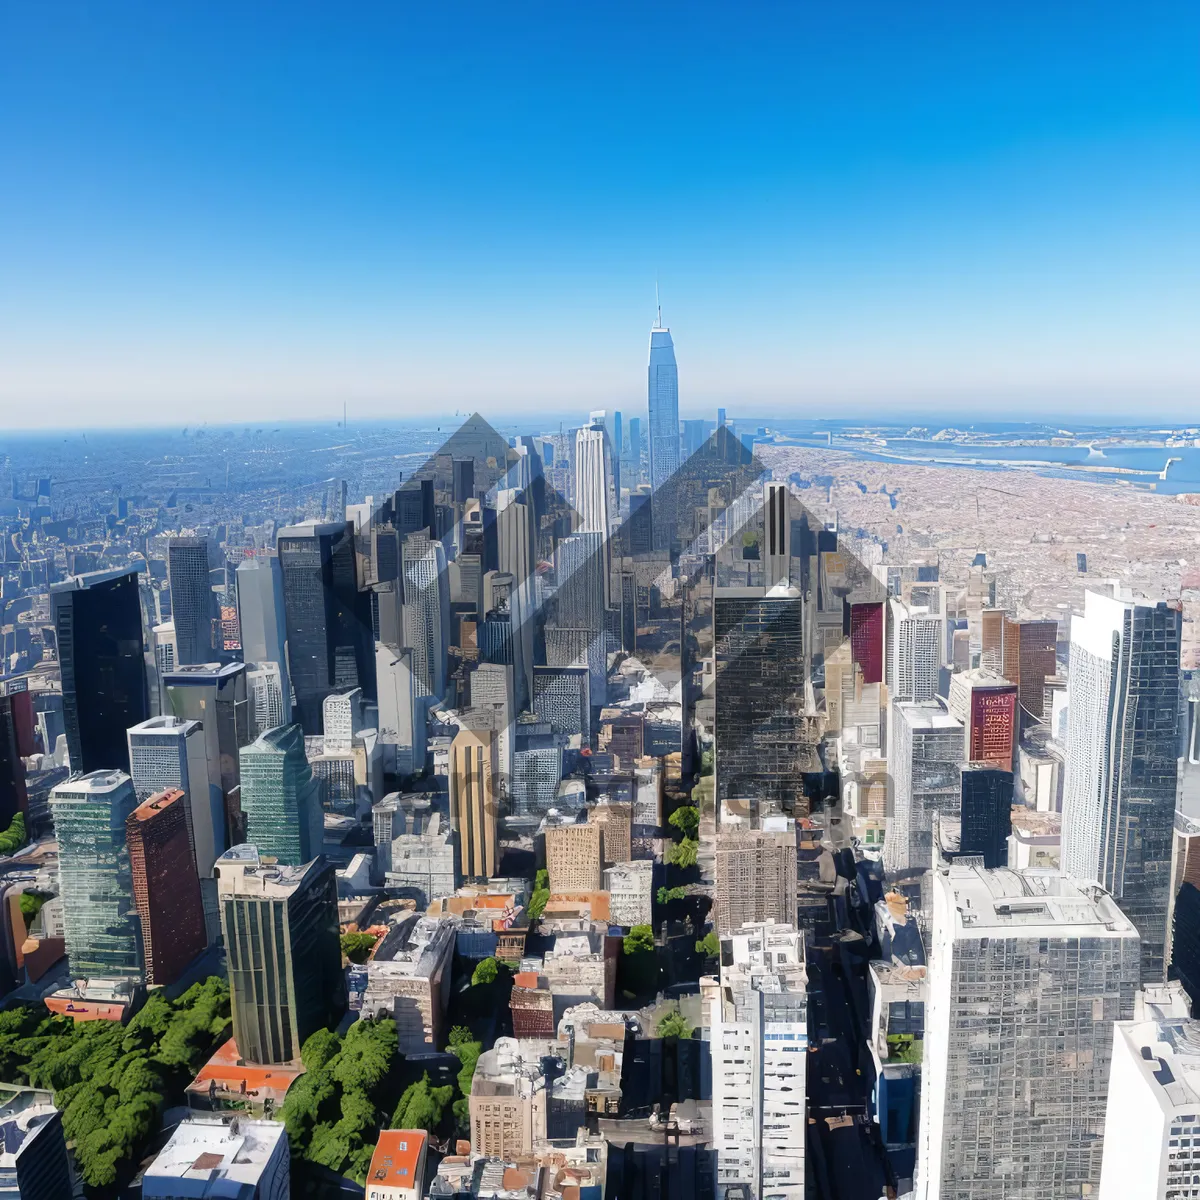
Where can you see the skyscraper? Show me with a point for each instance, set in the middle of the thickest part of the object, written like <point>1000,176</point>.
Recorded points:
<point>1028,971</point>
<point>537,771</point>
<point>516,545</point>
<point>593,471</point>
<point>765,738</point>
<point>561,698</point>
<point>426,612</point>
<point>101,926</point>
<point>914,652</point>
<point>631,454</point>
<point>166,888</point>
<point>1150,1148</point>
<point>491,688</point>
<point>98,626</point>
<point>777,519</point>
<point>269,706</point>
<point>1030,658</point>
<point>328,620</point>
<point>473,801</point>
<point>986,704</point>
<point>1122,766</point>
<point>171,752</point>
<point>926,758</point>
<point>193,606</point>
<point>16,743</point>
<point>401,711</point>
<point>281,800</point>
<point>986,813</point>
<point>662,422</point>
<point>218,698</point>
<point>280,925</point>
<point>262,619</point>
<point>759,1037</point>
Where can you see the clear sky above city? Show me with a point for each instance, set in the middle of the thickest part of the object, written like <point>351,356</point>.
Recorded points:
<point>260,211</point>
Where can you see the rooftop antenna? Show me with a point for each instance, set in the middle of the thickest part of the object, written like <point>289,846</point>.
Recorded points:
<point>658,303</point>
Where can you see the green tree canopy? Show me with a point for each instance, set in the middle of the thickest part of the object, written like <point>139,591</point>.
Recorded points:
<point>422,1106</point>
<point>673,1024</point>
<point>358,946</point>
<point>14,837</point>
<point>486,972</point>
<point>709,945</point>
<point>666,894</point>
<point>112,1082</point>
<point>639,940</point>
<point>319,1048</point>
<point>687,819</point>
<point>682,854</point>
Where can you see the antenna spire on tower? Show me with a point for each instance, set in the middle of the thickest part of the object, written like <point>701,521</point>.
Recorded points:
<point>658,304</point>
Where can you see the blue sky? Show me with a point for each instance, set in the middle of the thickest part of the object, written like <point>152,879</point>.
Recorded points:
<point>259,211</point>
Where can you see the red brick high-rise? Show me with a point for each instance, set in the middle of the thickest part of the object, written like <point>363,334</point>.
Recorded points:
<point>166,888</point>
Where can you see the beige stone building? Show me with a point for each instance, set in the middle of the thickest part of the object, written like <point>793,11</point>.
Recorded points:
<point>509,1102</point>
<point>756,879</point>
<point>473,801</point>
<point>573,857</point>
<point>616,825</point>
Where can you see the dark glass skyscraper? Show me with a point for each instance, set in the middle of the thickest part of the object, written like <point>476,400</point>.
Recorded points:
<point>98,626</point>
<point>764,739</point>
<point>16,743</point>
<point>987,794</point>
<point>328,619</point>
<point>192,605</point>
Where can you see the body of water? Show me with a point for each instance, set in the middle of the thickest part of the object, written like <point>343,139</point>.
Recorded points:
<point>1139,465</point>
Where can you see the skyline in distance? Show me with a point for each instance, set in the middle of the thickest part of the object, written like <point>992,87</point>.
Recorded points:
<point>850,214</point>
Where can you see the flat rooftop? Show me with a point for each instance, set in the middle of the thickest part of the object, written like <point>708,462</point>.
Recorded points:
<point>1167,1053</point>
<point>926,715</point>
<point>1030,903</point>
<point>203,1149</point>
<point>397,1158</point>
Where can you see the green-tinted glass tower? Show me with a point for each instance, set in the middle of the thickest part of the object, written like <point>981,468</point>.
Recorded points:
<point>281,800</point>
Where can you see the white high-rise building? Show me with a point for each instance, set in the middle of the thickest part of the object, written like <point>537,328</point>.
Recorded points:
<point>344,716</point>
<point>915,637</point>
<point>165,650</point>
<point>401,711</point>
<point>269,705</point>
<point>170,752</point>
<point>759,1025</point>
<point>1152,1126</point>
<point>662,423</point>
<point>1122,767</point>
<point>1028,970</point>
<point>593,469</point>
<point>926,758</point>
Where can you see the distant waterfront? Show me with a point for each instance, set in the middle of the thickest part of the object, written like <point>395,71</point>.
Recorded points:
<point>1136,463</point>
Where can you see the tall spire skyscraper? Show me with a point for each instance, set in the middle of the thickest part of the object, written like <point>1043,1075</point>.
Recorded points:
<point>663,420</point>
